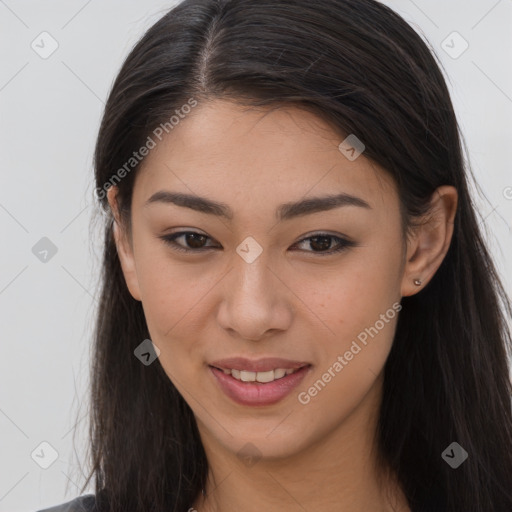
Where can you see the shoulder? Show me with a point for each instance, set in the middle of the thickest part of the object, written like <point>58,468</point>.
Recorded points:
<point>85,503</point>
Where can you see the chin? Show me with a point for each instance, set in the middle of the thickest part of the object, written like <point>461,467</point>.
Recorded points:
<point>267,440</point>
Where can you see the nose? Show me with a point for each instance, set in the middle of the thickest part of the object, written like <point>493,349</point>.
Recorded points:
<point>256,302</point>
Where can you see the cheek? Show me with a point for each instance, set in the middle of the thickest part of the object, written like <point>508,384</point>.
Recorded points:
<point>171,301</point>
<point>358,305</point>
<point>172,295</point>
<point>355,293</point>
<point>362,314</point>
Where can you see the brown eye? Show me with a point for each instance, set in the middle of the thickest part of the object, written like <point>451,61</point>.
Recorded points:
<point>321,243</point>
<point>195,241</point>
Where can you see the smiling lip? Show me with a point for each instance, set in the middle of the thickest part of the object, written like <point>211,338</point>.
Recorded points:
<point>257,393</point>
<point>259,365</point>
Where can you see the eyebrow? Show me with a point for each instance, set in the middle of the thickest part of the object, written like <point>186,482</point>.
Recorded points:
<point>285,211</point>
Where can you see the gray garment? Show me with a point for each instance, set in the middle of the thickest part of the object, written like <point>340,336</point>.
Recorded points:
<point>87,503</point>
<point>81,504</point>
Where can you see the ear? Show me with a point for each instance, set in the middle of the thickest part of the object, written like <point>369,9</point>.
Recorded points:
<point>124,247</point>
<point>431,241</point>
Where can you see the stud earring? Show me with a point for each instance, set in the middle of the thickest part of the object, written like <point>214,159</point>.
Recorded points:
<point>417,282</point>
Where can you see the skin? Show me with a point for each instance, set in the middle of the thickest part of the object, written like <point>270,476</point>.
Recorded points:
<point>296,303</point>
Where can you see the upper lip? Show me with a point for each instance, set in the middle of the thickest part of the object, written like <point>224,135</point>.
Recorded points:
<point>257,365</point>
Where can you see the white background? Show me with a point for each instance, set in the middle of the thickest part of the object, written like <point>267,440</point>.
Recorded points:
<point>49,116</point>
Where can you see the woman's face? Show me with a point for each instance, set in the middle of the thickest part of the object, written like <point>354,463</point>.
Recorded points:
<point>257,284</point>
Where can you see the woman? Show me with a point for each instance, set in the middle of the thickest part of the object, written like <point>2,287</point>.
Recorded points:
<point>298,308</point>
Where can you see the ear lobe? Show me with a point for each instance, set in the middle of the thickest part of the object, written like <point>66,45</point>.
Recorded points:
<point>414,269</point>
<point>431,241</point>
<point>124,252</point>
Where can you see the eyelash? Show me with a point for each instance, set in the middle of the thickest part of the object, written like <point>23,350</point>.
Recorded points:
<point>343,242</point>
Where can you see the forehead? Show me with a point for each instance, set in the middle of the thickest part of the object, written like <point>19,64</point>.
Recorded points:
<point>260,156</point>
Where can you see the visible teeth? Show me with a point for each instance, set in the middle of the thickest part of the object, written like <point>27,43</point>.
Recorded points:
<point>247,376</point>
<point>263,377</point>
<point>280,372</point>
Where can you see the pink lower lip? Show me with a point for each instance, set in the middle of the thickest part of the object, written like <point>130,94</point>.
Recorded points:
<point>251,393</point>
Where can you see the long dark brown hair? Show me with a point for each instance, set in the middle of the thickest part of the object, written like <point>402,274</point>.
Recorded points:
<point>359,66</point>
